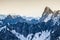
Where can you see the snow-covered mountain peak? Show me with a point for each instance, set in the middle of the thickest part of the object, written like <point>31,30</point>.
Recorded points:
<point>56,13</point>
<point>48,14</point>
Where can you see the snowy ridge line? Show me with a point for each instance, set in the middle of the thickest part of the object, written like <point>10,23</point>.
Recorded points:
<point>2,28</point>
<point>19,36</point>
<point>48,18</point>
<point>2,17</point>
<point>45,35</point>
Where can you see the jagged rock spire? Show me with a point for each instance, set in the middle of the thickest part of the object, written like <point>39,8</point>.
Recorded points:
<point>47,11</point>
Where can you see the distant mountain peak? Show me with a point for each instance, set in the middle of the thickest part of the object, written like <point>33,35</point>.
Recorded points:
<point>56,13</point>
<point>48,14</point>
<point>48,10</point>
<point>9,16</point>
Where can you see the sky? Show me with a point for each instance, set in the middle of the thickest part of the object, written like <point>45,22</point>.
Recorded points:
<point>29,8</point>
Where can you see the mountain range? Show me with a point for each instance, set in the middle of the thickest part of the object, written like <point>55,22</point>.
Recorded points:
<point>15,27</point>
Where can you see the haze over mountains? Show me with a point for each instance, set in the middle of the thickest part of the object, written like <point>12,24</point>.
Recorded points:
<point>22,28</point>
